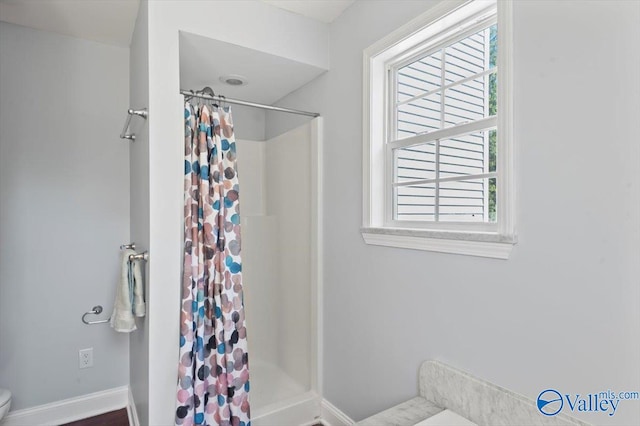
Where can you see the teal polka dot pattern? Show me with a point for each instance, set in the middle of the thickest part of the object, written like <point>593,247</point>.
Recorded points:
<point>213,370</point>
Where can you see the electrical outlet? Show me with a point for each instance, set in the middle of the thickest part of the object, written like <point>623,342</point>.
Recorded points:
<point>85,358</point>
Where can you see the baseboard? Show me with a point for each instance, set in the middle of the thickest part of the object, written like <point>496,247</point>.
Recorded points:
<point>332,416</point>
<point>132,412</point>
<point>72,409</point>
<point>69,410</point>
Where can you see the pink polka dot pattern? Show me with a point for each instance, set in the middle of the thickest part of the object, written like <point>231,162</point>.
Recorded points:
<point>213,367</point>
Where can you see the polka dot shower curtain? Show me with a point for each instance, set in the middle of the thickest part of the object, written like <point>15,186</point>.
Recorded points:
<point>213,373</point>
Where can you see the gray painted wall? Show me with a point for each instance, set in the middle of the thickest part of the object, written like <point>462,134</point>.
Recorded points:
<point>248,123</point>
<point>64,211</point>
<point>564,311</point>
<point>139,201</point>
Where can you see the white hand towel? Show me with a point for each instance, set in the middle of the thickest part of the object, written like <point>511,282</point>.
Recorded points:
<point>122,319</point>
<point>138,288</point>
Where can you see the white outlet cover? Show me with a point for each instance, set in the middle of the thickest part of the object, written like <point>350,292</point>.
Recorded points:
<point>85,358</point>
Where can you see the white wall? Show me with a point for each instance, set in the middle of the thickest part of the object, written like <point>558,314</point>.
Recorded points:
<point>252,168</point>
<point>288,166</point>
<point>272,31</point>
<point>249,123</point>
<point>139,211</point>
<point>259,266</point>
<point>64,211</point>
<point>276,255</point>
<point>564,311</point>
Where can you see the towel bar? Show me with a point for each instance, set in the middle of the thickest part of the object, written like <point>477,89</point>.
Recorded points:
<point>96,310</point>
<point>139,256</point>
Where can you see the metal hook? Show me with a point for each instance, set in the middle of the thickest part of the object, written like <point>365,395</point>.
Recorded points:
<point>209,101</point>
<point>96,310</point>
<point>208,91</point>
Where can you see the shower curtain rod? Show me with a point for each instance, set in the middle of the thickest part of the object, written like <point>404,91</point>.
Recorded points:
<point>219,98</point>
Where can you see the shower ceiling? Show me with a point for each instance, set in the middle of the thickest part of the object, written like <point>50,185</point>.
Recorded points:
<point>203,61</point>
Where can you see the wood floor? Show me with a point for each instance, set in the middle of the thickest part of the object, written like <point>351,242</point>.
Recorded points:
<point>112,418</point>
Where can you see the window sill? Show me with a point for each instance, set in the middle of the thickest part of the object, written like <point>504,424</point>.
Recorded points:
<point>465,243</point>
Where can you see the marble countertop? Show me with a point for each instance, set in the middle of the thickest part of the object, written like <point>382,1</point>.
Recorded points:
<point>444,387</point>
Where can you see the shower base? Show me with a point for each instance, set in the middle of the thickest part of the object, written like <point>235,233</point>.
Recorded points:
<point>270,384</point>
<point>276,398</point>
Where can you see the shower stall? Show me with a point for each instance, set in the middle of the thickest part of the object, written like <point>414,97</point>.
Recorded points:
<point>280,231</point>
<point>280,221</point>
<point>278,283</point>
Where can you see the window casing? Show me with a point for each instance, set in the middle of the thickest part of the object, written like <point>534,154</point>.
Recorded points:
<point>438,154</point>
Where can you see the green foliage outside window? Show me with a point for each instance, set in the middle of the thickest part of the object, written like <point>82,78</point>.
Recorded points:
<point>493,109</point>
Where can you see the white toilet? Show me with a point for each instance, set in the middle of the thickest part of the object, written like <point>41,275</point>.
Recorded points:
<point>5,403</point>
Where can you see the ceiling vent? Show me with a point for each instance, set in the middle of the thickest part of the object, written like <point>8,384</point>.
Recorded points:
<point>234,80</point>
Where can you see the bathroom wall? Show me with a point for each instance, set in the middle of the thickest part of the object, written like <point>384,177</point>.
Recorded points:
<point>64,211</point>
<point>139,202</point>
<point>289,195</point>
<point>259,266</point>
<point>564,311</point>
<point>249,123</point>
<point>276,250</point>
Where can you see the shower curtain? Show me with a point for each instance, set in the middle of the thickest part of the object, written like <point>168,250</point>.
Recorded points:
<point>213,377</point>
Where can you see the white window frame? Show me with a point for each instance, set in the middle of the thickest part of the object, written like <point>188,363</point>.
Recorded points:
<point>494,240</point>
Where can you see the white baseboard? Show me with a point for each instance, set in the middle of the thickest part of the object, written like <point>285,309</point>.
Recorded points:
<point>302,410</point>
<point>332,416</point>
<point>132,412</point>
<point>69,410</point>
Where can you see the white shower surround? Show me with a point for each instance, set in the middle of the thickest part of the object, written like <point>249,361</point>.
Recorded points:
<point>281,266</point>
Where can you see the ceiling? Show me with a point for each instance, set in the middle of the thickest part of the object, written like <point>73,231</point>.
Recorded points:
<point>104,21</point>
<point>269,77</point>
<point>112,21</point>
<point>320,10</point>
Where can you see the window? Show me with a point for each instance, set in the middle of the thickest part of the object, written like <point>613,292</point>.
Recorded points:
<point>438,150</point>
